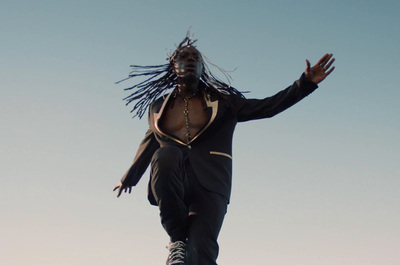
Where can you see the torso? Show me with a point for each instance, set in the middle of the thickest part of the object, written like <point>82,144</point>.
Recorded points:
<point>173,120</point>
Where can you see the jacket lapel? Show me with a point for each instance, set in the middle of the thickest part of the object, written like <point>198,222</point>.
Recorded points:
<point>213,105</point>
<point>214,110</point>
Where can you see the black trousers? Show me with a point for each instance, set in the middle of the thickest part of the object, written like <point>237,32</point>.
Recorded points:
<point>188,212</point>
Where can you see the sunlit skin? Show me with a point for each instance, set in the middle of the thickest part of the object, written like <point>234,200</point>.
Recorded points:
<point>188,67</point>
<point>321,69</point>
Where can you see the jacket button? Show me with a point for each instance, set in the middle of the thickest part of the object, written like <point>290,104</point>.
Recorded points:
<point>189,146</point>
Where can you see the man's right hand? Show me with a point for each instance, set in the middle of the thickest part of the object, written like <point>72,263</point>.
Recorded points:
<point>121,187</point>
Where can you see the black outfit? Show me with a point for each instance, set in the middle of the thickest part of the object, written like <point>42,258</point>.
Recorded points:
<point>187,210</point>
<point>191,183</point>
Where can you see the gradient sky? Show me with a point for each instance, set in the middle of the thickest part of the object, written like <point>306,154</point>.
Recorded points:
<point>317,184</point>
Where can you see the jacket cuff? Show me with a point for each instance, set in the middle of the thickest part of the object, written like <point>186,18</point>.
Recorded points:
<point>304,81</point>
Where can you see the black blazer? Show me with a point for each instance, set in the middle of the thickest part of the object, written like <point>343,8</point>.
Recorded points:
<point>210,150</point>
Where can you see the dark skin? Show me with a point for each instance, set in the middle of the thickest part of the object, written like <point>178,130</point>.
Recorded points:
<point>188,67</point>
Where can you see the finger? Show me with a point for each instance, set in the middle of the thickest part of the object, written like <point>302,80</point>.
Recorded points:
<point>324,59</point>
<point>119,193</point>
<point>115,188</point>
<point>308,65</point>
<point>330,71</point>
<point>130,189</point>
<point>329,64</point>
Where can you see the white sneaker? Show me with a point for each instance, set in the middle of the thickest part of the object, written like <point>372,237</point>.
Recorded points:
<point>177,252</point>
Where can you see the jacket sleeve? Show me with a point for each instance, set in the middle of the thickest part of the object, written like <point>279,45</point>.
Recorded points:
<point>142,159</point>
<point>251,109</point>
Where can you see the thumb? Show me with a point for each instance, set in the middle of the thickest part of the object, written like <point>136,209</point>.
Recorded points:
<point>308,66</point>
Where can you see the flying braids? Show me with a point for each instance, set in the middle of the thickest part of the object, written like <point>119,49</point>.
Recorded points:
<point>163,77</point>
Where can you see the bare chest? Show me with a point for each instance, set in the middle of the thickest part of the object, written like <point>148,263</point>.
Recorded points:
<point>185,120</point>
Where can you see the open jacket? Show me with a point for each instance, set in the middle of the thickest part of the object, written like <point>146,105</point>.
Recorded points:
<point>210,150</point>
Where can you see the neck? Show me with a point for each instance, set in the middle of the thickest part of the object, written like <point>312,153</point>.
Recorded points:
<point>188,89</point>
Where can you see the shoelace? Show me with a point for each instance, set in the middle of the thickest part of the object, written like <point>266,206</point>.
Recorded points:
<point>176,253</point>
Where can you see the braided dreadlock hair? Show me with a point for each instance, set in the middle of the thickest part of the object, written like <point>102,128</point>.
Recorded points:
<point>163,77</point>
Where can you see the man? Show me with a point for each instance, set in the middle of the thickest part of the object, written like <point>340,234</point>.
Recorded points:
<point>189,145</point>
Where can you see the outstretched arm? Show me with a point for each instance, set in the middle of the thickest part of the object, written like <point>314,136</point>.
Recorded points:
<point>251,109</point>
<point>142,160</point>
<point>321,69</point>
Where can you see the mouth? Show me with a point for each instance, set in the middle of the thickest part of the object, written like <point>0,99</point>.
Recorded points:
<point>190,66</point>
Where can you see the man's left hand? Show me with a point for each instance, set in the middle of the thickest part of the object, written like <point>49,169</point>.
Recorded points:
<point>321,69</point>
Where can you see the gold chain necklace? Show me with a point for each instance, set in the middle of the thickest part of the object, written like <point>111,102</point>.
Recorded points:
<point>186,113</point>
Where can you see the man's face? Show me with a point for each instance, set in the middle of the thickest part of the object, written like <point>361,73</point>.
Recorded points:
<point>188,63</point>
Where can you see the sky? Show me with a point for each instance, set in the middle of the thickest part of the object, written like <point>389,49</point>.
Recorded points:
<point>316,184</point>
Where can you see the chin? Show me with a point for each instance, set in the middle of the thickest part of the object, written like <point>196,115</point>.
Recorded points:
<point>190,77</point>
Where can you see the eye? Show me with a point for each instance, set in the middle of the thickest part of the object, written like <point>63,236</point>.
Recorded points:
<point>182,55</point>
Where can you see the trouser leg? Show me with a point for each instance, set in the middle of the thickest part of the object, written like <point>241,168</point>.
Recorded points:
<point>168,188</point>
<point>208,210</point>
<point>177,192</point>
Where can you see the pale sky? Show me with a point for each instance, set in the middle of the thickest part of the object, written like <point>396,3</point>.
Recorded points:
<point>317,184</point>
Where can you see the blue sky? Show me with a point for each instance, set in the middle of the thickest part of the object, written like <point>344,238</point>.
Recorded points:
<point>317,184</point>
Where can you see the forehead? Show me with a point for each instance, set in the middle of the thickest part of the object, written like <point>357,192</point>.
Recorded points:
<point>189,50</point>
